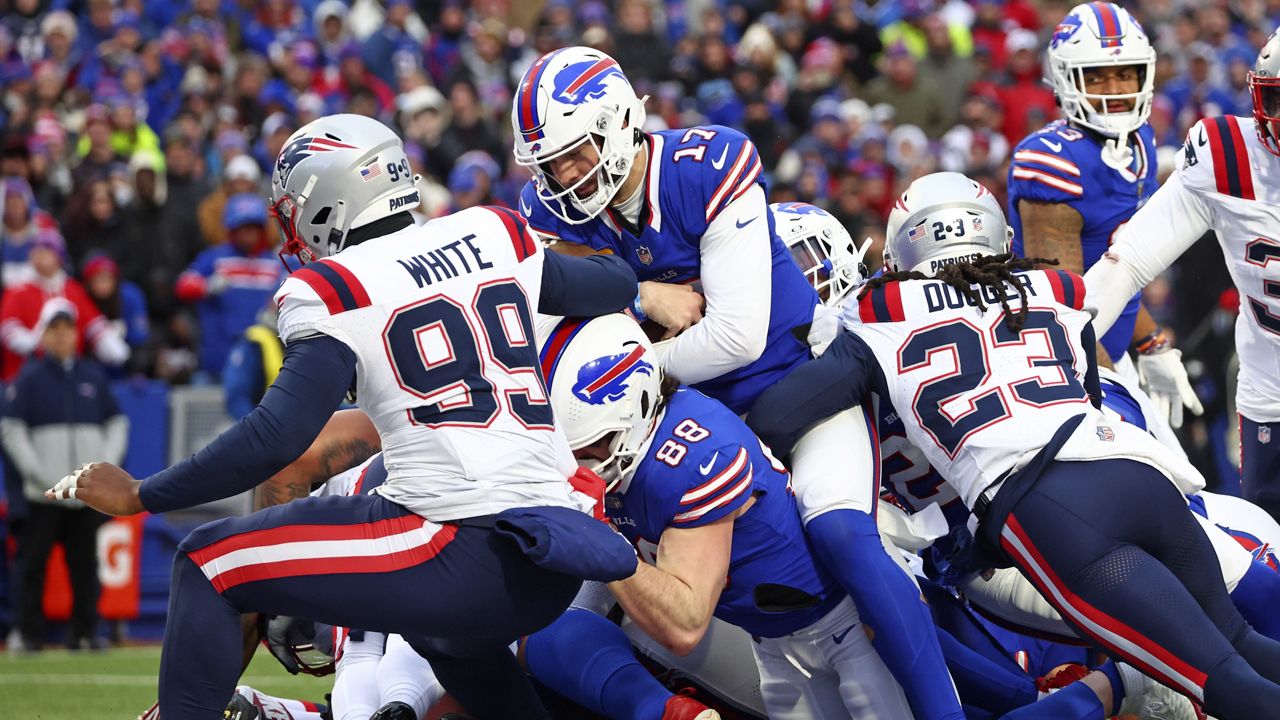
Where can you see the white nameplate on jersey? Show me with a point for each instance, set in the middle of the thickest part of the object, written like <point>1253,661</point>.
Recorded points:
<point>437,266</point>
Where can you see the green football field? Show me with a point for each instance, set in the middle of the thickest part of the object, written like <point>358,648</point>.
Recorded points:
<point>116,684</point>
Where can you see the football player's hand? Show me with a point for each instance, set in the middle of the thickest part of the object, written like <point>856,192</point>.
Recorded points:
<point>1164,378</point>
<point>102,486</point>
<point>588,483</point>
<point>675,307</point>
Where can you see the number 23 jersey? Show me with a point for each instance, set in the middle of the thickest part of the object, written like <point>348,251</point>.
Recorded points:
<point>977,397</point>
<point>439,317</point>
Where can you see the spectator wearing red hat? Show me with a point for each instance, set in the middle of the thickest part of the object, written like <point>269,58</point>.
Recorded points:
<point>1027,101</point>
<point>230,283</point>
<point>121,302</point>
<point>20,310</point>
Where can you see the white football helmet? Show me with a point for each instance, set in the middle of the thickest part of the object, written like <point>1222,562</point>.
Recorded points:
<point>603,377</point>
<point>942,219</point>
<point>334,174</point>
<point>1099,34</point>
<point>568,97</point>
<point>822,248</point>
<point>1264,85</point>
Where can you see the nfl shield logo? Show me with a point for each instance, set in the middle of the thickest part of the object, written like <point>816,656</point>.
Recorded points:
<point>645,256</point>
<point>1264,434</point>
<point>1106,434</point>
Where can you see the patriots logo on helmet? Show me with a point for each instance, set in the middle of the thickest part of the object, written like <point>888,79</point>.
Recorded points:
<point>303,148</point>
<point>583,81</point>
<point>605,379</point>
<point>1065,30</point>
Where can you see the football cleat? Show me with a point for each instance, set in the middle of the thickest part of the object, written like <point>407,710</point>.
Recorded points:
<point>682,706</point>
<point>1149,700</point>
<point>395,711</point>
<point>240,708</point>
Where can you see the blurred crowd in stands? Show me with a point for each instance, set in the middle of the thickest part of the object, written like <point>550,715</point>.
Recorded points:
<point>138,136</point>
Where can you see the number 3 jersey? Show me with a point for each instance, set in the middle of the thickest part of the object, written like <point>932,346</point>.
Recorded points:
<point>702,464</point>
<point>976,397</point>
<point>439,318</point>
<point>1228,182</point>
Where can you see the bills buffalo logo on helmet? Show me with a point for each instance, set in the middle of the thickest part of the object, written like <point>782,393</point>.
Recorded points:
<point>303,148</point>
<point>605,379</point>
<point>799,208</point>
<point>1065,30</point>
<point>583,81</point>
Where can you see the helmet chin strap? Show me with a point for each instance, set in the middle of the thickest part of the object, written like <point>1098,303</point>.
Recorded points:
<point>1116,152</point>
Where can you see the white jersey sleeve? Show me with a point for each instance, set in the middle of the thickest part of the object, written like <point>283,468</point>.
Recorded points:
<point>1176,216</point>
<point>737,266</point>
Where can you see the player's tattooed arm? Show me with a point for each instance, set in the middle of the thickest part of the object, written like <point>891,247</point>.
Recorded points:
<point>1052,230</point>
<point>348,439</point>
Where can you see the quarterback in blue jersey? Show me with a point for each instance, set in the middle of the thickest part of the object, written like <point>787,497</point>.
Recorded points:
<point>686,207</point>
<point>1074,183</point>
<point>683,207</point>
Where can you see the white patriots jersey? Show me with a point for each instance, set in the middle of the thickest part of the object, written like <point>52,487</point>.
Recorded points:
<point>1231,184</point>
<point>977,398</point>
<point>439,317</point>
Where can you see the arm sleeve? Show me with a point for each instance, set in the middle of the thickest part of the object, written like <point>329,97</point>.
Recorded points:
<point>811,393</point>
<point>737,279</point>
<point>1174,218</point>
<point>315,377</point>
<point>585,286</point>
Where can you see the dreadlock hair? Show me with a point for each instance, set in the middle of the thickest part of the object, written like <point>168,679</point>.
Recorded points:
<point>989,271</point>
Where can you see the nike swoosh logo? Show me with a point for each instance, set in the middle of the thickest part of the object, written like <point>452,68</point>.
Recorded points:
<point>839,637</point>
<point>524,208</point>
<point>1056,147</point>
<point>704,469</point>
<point>1203,139</point>
<point>718,164</point>
<point>741,224</point>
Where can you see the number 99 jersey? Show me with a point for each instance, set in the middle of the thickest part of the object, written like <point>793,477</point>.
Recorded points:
<point>439,318</point>
<point>975,396</point>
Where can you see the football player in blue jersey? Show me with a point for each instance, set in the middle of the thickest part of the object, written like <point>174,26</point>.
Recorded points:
<point>687,207</point>
<point>1074,183</point>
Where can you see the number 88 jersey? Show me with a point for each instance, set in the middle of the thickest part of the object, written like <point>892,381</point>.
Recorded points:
<point>974,395</point>
<point>439,318</point>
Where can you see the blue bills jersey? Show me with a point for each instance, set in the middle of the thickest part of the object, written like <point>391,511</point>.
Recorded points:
<point>1061,164</point>
<point>702,464</point>
<point>692,176</point>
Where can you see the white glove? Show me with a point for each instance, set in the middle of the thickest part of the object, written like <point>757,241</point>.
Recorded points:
<point>1164,379</point>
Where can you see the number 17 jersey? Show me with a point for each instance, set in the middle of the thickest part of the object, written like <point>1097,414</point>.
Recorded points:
<point>439,318</point>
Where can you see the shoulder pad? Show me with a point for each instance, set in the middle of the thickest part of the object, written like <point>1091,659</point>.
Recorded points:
<point>1067,287</point>
<point>539,218</point>
<point>721,483</point>
<point>725,160</point>
<point>302,310</point>
<point>882,304</point>
<point>332,283</point>
<point>517,230</point>
<point>1044,165</point>
<point>1215,158</point>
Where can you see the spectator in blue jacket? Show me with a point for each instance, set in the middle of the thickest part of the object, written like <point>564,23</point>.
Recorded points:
<point>230,283</point>
<point>59,414</point>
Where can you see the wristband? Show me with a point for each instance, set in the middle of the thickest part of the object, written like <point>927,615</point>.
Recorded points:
<point>636,309</point>
<point>1153,343</point>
